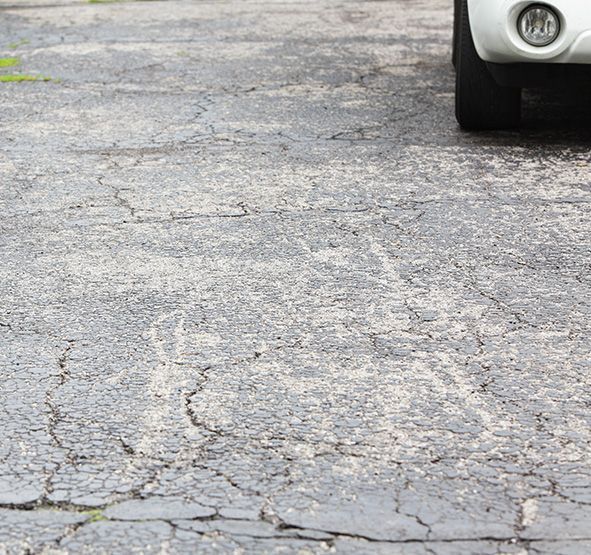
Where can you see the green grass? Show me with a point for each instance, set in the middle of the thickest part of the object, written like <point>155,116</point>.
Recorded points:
<point>14,45</point>
<point>17,77</point>
<point>95,515</point>
<point>20,77</point>
<point>112,1</point>
<point>9,62</point>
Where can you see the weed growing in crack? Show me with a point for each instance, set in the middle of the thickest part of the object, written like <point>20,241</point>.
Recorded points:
<point>95,515</point>
<point>14,45</point>
<point>18,77</point>
<point>9,62</point>
<point>113,1</point>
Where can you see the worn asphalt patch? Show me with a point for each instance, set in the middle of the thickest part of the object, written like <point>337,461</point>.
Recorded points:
<point>259,294</point>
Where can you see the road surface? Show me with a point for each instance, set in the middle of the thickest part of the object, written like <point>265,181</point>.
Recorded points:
<point>259,294</point>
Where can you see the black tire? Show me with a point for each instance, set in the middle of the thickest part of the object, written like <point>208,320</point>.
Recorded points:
<point>481,103</point>
<point>454,55</point>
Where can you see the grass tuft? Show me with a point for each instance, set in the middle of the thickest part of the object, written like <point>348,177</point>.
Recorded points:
<point>19,78</point>
<point>95,515</point>
<point>9,62</point>
<point>14,45</point>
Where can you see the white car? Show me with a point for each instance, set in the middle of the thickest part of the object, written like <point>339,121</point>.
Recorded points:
<point>502,46</point>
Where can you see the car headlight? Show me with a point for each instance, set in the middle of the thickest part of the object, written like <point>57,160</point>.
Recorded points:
<point>539,25</point>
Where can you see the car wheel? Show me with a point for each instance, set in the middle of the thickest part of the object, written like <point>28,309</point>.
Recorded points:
<point>454,55</point>
<point>480,102</point>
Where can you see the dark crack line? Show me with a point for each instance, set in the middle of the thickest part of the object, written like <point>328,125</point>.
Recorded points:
<point>204,378</point>
<point>373,539</point>
<point>190,413</point>
<point>63,376</point>
<point>53,412</point>
<point>285,530</point>
<point>121,201</point>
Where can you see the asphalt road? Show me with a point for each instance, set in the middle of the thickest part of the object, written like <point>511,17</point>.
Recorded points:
<point>259,294</point>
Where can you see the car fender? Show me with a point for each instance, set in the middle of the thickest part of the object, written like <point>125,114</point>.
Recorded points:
<point>496,38</point>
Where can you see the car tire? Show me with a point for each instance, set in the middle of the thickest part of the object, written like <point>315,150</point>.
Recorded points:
<point>454,55</point>
<point>481,104</point>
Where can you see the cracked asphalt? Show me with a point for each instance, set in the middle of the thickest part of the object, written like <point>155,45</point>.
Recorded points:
<point>259,294</point>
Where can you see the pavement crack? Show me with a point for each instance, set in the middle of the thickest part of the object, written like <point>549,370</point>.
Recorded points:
<point>54,414</point>
<point>44,504</point>
<point>63,362</point>
<point>244,211</point>
<point>126,447</point>
<point>63,376</point>
<point>190,413</point>
<point>116,193</point>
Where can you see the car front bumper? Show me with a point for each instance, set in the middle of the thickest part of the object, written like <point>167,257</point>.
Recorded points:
<point>494,29</point>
